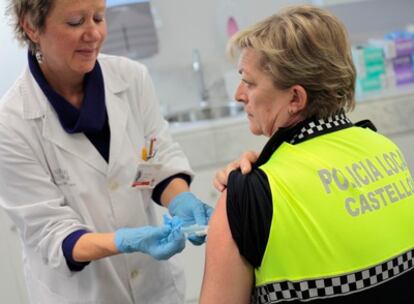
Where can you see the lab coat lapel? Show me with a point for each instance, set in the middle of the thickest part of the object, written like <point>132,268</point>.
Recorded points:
<point>117,110</point>
<point>35,106</point>
<point>77,144</point>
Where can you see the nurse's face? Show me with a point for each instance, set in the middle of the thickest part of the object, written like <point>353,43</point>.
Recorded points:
<point>266,105</point>
<point>72,37</point>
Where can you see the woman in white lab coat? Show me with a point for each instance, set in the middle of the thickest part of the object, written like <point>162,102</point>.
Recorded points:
<point>72,131</point>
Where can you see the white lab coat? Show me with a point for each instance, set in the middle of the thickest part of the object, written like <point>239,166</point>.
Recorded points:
<point>53,183</point>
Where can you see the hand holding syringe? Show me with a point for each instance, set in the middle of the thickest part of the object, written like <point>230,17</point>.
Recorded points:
<point>177,224</point>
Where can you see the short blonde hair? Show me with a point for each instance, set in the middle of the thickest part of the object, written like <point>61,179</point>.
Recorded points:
<point>308,46</point>
<point>35,10</point>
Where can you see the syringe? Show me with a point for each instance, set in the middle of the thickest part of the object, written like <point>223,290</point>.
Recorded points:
<point>199,230</point>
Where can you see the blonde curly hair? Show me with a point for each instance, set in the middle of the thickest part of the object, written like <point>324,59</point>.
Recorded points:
<point>308,46</point>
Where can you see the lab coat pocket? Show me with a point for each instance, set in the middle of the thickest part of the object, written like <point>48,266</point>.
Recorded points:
<point>68,192</point>
<point>146,175</point>
<point>64,183</point>
<point>50,285</point>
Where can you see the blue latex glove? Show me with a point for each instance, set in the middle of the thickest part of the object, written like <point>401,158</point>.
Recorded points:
<point>191,211</point>
<point>159,242</point>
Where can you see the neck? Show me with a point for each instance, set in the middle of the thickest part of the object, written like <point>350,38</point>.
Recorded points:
<point>291,122</point>
<point>68,86</point>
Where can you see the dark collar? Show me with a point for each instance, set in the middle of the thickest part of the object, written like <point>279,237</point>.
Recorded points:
<point>91,117</point>
<point>301,132</point>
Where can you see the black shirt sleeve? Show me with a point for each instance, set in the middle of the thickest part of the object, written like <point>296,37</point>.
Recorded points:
<point>249,212</point>
<point>160,187</point>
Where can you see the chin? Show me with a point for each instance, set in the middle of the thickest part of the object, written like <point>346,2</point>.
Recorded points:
<point>255,130</point>
<point>86,68</point>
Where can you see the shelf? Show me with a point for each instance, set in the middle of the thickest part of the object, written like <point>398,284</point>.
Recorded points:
<point>391,111</point>
<point>393,93</point>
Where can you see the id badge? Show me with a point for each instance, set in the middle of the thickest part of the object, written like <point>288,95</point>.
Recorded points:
<point>146,174</point>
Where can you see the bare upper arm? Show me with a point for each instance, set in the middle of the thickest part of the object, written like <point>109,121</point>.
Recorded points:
<point>228,277</point>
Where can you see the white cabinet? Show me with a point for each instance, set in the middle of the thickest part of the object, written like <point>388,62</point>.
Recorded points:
<point>12,286</point>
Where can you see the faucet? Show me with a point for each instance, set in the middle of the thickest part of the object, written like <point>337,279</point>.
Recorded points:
<point>198,70</point>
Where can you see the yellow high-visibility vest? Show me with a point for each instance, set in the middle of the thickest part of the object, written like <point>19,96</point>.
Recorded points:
<point>342,202</point>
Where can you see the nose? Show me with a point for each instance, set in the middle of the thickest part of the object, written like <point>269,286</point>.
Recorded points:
<point>240,95</point>
<point>91,35</point>
<point>94,32</point>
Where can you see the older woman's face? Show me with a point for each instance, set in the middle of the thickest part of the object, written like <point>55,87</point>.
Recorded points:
<point>72,37</point>
<point>266,106</point>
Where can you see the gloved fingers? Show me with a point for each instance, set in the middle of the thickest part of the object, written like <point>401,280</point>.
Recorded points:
<point>129,240</point>
<point>182,206</point>
<point>176,235</point>
<point>174,244</point>
<point>189,209</point>
<point>166,219</point>
<point>196,240</point>
<point>176,205</point>
<point>200,214</point>
<point>158,233</point>
<point>174,222</point>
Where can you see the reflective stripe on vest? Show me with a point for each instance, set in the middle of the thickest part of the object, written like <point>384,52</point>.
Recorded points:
<point>342,203</point>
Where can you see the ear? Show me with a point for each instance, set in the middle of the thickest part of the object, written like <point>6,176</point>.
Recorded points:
<point>299,99</point>
<point>30,31</point>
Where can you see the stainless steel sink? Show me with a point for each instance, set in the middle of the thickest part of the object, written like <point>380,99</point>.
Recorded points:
<point>208,112</point>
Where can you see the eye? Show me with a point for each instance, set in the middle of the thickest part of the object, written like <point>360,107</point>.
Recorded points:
<point>75,22</point>
<point>249,84</point>
<point>99,18</point>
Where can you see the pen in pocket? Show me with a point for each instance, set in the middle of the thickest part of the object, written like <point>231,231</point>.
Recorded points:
<point>144,154</point>
<point>147,154</point>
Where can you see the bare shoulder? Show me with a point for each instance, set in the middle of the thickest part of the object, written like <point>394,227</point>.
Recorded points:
<point>227,276</point>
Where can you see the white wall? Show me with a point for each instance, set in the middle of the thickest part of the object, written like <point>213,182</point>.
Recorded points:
<point>12,56</point>
<point>368,19</point>
<point>186,25</point>
<point>189,24</point>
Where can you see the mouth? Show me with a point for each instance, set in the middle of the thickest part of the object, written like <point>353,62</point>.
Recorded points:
<point>86,51</point>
